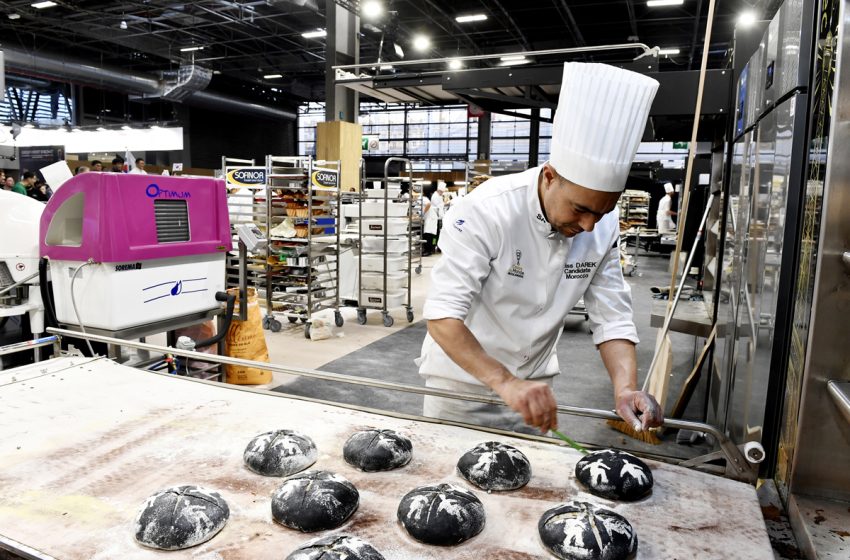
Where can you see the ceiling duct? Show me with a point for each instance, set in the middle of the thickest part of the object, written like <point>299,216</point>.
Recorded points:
<point>185,87</point>
<point>190,78</point>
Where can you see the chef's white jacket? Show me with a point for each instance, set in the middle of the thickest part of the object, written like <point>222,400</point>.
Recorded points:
<point>513,281</point>
<point>434,214</point>
<point>664,222</point>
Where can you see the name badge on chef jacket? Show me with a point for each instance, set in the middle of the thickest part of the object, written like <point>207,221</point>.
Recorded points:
<point>578,270</point>
<point>516,269</point>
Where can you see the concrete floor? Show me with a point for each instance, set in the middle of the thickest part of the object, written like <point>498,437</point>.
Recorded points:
<point>376,351</point>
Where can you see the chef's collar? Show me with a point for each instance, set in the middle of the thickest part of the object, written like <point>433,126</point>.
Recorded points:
<point>535,211</point>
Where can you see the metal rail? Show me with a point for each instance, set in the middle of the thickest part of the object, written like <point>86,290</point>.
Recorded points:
<point>616,47</point>
<point>737,465</point>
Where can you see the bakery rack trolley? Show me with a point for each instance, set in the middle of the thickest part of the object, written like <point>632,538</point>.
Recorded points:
<point>385,238</point>
<point>243,269</point>
<point>302,268</point>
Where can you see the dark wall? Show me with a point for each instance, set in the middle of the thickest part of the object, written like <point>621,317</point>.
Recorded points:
<point>208,135</point>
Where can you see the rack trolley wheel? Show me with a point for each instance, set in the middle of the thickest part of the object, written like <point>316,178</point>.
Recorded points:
<point>338,320</point>
<point>409,315</point>
<point>307,331</point>
<point>388,319</point>
<point>361,316</point>
<point>275,325</point>
<point>267,322</point>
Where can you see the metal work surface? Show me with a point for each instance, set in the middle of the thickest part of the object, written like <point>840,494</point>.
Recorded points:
<point>84,442</point>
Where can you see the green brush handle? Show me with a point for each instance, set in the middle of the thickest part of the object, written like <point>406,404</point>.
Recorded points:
<point>571,443</point>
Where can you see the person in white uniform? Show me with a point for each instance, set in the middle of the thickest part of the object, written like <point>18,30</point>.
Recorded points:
<point>518,255</point>
<point>433,214</point>
<point>664,214</point>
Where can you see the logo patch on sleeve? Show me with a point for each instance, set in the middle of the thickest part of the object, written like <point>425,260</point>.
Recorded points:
<point>458,225</point>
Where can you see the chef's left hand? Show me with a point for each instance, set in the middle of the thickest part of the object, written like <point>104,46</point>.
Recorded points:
<point>639,409</point>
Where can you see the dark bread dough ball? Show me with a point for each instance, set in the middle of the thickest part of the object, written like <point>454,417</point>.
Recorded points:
<point>314,501</point>
<point>442,514</point>
<point>377,450</point>
<point>181,517</point>
<point>336,547</point>
<point>280,453</point>
<point>615,475</point>
<point>582,531</point>
<point>495,466</point>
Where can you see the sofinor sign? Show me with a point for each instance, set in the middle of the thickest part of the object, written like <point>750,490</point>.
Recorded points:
<point>325,178</point>
<point>245,176</point>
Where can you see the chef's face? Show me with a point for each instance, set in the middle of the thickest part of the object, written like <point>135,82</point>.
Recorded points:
<point>570,208</point>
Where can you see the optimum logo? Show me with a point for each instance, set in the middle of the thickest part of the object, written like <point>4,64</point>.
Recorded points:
<point>246,176</point>
<point>154,191</point>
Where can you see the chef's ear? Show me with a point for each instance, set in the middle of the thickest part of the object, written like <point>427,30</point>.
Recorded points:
<point>550,176</point>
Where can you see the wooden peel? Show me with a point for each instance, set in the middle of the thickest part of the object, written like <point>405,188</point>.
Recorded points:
<point>658,375</point>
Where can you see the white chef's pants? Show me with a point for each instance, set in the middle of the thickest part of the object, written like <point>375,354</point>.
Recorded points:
<point>482,414</point>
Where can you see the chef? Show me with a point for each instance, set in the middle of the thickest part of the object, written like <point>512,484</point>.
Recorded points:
<point>520,253</point>
<point>433,211</point>
<point>664,214</point>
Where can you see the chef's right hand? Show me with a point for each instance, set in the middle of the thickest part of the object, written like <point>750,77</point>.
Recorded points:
<point>534,400</point>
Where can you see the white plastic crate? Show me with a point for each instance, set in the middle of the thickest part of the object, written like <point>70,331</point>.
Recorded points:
<point>375,263</point>
<point>394,245</point>
<point>375,281</point>
<point>372,298</point>
<point>376,208</point>
<point>395,226</point>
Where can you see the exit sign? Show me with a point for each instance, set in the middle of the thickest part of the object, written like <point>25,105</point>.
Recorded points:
<point>680,145</point>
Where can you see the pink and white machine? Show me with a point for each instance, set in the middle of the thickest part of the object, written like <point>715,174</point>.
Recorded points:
<point>155,248</point>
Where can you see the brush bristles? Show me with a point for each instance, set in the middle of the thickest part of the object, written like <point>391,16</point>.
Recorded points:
<point>646,436</point>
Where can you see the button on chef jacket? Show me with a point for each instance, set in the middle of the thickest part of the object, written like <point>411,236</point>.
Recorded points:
<point>512,281</point>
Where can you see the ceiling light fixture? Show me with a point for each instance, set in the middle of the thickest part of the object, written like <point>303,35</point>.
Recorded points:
<point>42,5</point>
<point>123,24</point>
<point>272,76</point>
<point>155,127</point>
<point>668,51</point>
<point>513,58</point>
<point>399,52</point>
<point>385,67</point>
<point>190,49</point>
<point>746,19</point>
<point>455,64</point>
<point>659,3</point>
<point>315,34</point>
<point>372,9</point>
<point>126,127</point>
<point>421,43</point>
<point>515,62</point>
<point>471,18</point>
<point>14,16</point>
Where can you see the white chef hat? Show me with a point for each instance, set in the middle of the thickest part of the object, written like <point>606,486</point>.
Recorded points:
<point>601,117</point>
<point>668,188</point>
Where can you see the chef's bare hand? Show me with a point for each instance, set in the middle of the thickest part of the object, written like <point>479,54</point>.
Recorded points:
<point>639,409</point>
<point>534,400</point>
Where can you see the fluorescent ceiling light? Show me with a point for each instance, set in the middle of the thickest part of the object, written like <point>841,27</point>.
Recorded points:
<point>514,62</point>
<point>658,3</point>
<point>272,76</point>
<point>14,16</point>
<point>455,64</point>
<point>42,5</point>
<point>189,49</point>
<point>513,58</point>
<point>126,127</point>
<point>155,127</point>
<point>746,19</point>
<point>315,34</point>
<point>399,52</point>
<point>668,51</point>
<point>421,43</point>
<point>372,9</point>
<point>470,18</point>
<point>385,67</point>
